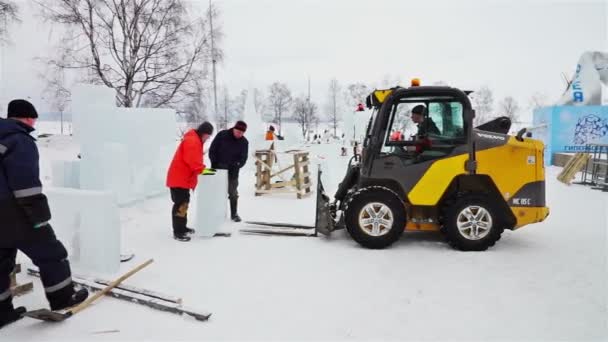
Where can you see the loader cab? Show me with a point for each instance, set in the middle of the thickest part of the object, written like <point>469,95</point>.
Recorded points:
<point>397,138</point>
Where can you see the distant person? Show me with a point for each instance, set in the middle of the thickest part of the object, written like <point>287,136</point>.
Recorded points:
<point>229,152</point>
<point>186,166</point>
<point>426,125</point>
<point>25,216</point>
<point>270,134</point>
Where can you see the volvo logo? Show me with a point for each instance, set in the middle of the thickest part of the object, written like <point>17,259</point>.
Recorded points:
<point>491,136</point>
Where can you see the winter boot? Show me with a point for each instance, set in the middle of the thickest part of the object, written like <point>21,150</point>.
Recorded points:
<point>190,231</point>
<point>8,314</point>
<point>182,237</point>
<point>233,210</point>
<point>67,297</point>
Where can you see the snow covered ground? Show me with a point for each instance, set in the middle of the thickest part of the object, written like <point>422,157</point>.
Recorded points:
<point>547,281</point>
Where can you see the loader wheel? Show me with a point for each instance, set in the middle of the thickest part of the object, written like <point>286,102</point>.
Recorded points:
<point>471,223</point>
<point>375,217</point>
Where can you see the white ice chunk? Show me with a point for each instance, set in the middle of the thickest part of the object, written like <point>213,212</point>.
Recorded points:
<point>132,147</point>
<point>211,202</point>
<point>66,173</point>
<point>88,223</point>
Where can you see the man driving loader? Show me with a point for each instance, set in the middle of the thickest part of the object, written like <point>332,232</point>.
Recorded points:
<point>426,125</point>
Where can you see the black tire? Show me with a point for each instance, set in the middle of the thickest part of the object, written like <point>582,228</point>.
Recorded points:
<point>364,197</point>
<point>464,241</point>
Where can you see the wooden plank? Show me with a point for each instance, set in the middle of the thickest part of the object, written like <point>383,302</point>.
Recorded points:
<point>137,298</point>
<point>304,195</point>
<point>303,164</point>
<point>282,171</point>
<point>276,191</point>
<point>305,175</point>
<point>574,165</point>
<point>21,290</point>
<point>282,184</point>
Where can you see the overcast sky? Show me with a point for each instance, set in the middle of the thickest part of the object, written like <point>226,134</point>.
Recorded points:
<point>514,47</point>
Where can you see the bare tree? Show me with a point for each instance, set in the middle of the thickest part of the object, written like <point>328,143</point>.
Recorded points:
<point>195,112</point>
<point>238,104</point>
<point>259,101</point>
<point>355,94</point>
<point>147,50</point>
<point>279,99</point>
<point>225,106</point>
<point>509,107</point>
<point>483,102</point>
<point>8,13</point>
<point>305,114</point>
<point>334,103</point>
<point>56,92</point>
<point>537,100</point>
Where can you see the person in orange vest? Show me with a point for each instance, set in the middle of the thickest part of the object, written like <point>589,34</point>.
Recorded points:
<point>270,135</point>
<point>183,174</point>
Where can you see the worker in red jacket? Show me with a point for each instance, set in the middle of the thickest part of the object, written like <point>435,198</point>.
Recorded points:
<point>183,174</point>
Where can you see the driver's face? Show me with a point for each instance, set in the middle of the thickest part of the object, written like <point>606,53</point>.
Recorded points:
<point>417,118</point>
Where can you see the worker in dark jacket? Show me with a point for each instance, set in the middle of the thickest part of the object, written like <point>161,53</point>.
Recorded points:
<point>426,125</point>
<point>25,215</point>
<point>229,152</point>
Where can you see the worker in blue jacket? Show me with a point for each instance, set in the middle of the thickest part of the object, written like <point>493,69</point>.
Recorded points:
<point>25,215</point>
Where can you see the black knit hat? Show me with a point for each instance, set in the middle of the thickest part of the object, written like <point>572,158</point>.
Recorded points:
<point>419,109</point>
<point>205,128</point>
<point>241,126</point>
<point>21,109</point>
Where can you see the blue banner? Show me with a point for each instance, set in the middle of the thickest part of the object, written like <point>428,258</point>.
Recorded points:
<point>568,129</point>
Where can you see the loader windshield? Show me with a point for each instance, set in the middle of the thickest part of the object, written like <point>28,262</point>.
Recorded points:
<point>424,126</point>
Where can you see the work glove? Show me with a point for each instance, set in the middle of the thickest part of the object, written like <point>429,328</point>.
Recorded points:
<point>208,172</point>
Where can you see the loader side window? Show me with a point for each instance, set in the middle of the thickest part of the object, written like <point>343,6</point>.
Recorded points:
<point>430,135</point>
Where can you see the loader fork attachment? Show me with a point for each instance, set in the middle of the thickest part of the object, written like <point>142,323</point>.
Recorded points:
<point>324,221</point>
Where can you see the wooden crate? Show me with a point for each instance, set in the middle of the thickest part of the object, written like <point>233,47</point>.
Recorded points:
<point>267,173</point>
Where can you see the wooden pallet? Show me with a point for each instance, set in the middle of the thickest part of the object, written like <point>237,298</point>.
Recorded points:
<point>16,289</point>
<point>266,173</point>
<point>573,166</point>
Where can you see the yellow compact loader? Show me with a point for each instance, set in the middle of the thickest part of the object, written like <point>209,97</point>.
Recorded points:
<point>424,167</point>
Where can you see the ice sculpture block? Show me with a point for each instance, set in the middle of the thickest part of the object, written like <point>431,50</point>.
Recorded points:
<point>132,147</point>
<point>211,200</point>
<point>66,173</point>
<point>88,223</point>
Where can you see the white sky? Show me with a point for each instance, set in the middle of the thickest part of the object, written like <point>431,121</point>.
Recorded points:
<point>515,47</point>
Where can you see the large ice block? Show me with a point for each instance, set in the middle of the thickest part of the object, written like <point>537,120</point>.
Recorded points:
<point>65,173</point>
<point>92,106</point>
<point>211,200</point>
<point>88,224</point>
<point>107,167</point>
<point>132,147</point>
